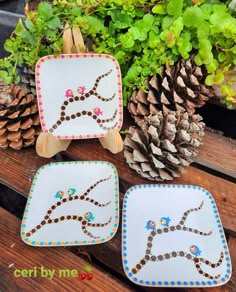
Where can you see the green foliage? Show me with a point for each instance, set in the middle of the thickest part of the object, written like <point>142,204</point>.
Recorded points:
<point>143,36</point>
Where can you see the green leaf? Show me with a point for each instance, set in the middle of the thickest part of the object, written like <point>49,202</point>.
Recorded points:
<point>212,66</point>
<point>209,80</point>
<point>219,78</point>
<point>174,7</point>
<point>19,28</point>
<point>45,10</point>
<point>193,16</point>
<point>148,20</point>
<point>121,19</point>
<point>134,32</point>
<point>9,46</point>
<point>54,23</point>
<point>6,78</point>
<point>159,9</point>
<point>167,22</point>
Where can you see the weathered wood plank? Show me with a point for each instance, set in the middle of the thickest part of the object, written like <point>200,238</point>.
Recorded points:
<point>218,153</point>
<point>17,168</point>
<point>222,190</point>
<point>17,255</point>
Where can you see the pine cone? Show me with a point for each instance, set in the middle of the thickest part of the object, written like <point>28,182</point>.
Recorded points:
<point>180,87</point>
<point>19,119</point>
<point>27,80</point>
<point>163,144</point>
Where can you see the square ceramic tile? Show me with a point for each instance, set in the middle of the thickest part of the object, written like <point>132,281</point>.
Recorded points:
<point>173,237</point>
<point>72,203</point>
<point>79,95</point>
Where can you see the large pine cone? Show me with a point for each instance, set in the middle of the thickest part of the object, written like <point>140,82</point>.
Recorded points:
<point>180,87</point>
<point>164,144</point>
<point>19,119</point>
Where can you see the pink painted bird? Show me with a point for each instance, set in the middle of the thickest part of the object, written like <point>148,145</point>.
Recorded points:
<point>97,111</point>
<point>81,89</point>
<point>69,93</point>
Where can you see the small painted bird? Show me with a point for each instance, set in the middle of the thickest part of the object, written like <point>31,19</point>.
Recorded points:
<point>89,216</point>
<point>59,195</point>
<point>69,93</point>
<point>150,225</point>
<point>195,250</point>
<point>81,89</point>
<point>97,111</point>
<point>71,192</point>
<point>164,221</point>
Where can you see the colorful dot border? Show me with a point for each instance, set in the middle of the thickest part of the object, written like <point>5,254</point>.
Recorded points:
<point>76,242</point>
<point>77,56</point>
<point>154,283</point>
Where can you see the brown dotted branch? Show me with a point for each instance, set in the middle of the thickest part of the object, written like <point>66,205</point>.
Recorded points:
<point>174,254</point>
<point>99,121</point>
<point>82,97</point>
<point>180,226</point>
<point>84,197</point>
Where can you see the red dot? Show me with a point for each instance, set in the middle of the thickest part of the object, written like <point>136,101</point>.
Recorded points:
<point>82,276</point>
<point>89,276</point>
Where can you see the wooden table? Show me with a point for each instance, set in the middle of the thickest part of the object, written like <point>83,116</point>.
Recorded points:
<point>214,169</point>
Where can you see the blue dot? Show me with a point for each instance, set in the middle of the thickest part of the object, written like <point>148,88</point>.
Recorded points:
<point>203,283</point>
<point>30,197</point>
<point>222,236</point>
<point>124,248</point>
<point>214,206</point>
<point>26,239</point>
<point>209,282</point>
<point>215,282</point>
<point>189,187</point>
<point>50,243</point>
<point>191,283</point>
<point>147,282</point>
<point>126,268</point>
<point>140,186</point>
<point>23,225</point>
<point>226,252</point>
<point>26,211</point>
<point>141,281</point>
<point>228,265</point>
<point>125,254</point>
<point>28,204</point>
<point>41,243</point>
<point>124,236</point>
<point>168,186</point>
<point>93,241</point>
<point>33,242</point>
<point>22,233</point>
<point>124,225</point>
<point>144,186</point>
<point>24,218</point>
<point>210,197</point>
<point>216,216</point>
<point>103,239</point>
<point>215,211</point>
<point>135,279</point>
<point>225,246</point>
<point>166,283</point>
<point>130,274</point>
<point>153,283</point>
<point>125,262</point>
<point>124,230</point>
<point>229,271</point>
<point>197,283</point>
<point>172,283</point>
<point>178,283</point>
<point>218,221</point>
<point>227,259</point>
<point>159,283</point>
<point>185,283</point>
<point>227,276</point>
<point>184,186</point>
<point>173,186</point>
<point>194,187</point>
<point>111,234</point>
<point>178,186</point>
<point>124,242</point>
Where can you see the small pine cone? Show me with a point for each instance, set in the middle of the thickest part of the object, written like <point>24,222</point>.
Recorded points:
<point>163,144</point>
<point>179,88</point>
<point>27,80</point>
<point>19,119</point>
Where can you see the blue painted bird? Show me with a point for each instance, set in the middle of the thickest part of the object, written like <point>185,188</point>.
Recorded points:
<point>150,225</point>
<point>71,192</point>
<point>59,195</point>
<point>164,221</point>
<point>195,250</point>
<point>89,216</point>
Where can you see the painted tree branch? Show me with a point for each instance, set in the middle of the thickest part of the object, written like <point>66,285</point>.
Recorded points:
<point>82,97</point>
<point>90,114</point>
<point>84,197</point>
<point>180,226</point>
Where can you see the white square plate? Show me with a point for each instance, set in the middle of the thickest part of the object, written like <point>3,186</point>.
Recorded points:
<point>72,203</point>
<point>172,236</point>
<point>79,95</point>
